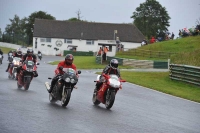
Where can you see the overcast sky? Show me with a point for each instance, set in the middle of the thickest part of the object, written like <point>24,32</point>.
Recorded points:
<point>183,13</point>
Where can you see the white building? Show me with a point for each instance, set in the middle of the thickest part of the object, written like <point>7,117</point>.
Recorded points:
<point>52,37</point>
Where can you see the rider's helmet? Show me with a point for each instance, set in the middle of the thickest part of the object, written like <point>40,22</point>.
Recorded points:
<point>30,52</point>
<point>19,51</point>
<point>114,63</point>
<point>69,59</point>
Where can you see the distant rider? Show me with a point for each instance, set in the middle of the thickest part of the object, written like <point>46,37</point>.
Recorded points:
<point>1,53</point>
<point>18,53</point>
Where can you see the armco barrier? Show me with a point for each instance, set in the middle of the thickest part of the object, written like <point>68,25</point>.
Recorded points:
<point>185,73</point>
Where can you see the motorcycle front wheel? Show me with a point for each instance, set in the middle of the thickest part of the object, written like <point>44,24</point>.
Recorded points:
<point>51,98</point>
<point>110,99</point>
<point>18,86</point>
<point>94,98</point>
<point>26,86</point>
<point>66,97</point>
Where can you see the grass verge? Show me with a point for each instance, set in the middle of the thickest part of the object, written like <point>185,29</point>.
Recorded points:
<point>88,62</point>
<point>5,50</point>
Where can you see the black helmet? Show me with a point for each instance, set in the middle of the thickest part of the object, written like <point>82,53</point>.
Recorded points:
<point>29,51</point>
<point>114,63</point>
<point>69,59</point>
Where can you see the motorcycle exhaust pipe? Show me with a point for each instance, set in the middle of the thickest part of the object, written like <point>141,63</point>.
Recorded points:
<point>47,85</point>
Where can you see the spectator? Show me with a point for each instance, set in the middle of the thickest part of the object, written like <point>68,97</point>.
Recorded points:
<point>105,50</point>
<point>144,42</point>
<point>180,33</point>
<point>99,52</point>
<point>172,36</point>
<point>152,40</point>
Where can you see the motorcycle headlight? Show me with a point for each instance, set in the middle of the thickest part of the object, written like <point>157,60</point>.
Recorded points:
<point>73,81</point>
<point>29,69</point>
<point>67,79</point>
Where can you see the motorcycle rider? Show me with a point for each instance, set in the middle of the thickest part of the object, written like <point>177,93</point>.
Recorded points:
<point>10,53</point>
<point>39,52</point>
<point>111,68</point>
<point>1,53</point>
<point>67,63</point>
<point>18,53</point>
<point>28,56</point>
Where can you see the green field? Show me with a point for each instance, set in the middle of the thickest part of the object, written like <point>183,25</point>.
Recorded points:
<point>5,50</point>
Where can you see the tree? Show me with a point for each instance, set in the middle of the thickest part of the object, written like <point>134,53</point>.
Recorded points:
<point>73,19</point>
<point>151,18</point>
<point>28,23</point>
<point>13,30</point>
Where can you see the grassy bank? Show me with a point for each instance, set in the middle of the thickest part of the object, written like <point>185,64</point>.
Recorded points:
<point>160,81</point>
<point>5,50</point>
<point>187,49</point>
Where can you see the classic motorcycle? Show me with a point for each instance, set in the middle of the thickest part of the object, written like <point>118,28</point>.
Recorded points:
<point>64,86</point>
<point>26,74</point>
<point>12,72</point>
<point>40,56</point>
<point>1,59</point>
<point>107,91</point>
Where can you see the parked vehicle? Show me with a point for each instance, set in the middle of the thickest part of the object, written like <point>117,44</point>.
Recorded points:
<point>63,87</point>
<point>107,91</point>
<point>26,74</point>
<point>12,72</point>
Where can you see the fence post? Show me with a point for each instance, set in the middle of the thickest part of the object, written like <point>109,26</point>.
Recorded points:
<point>168,64</point>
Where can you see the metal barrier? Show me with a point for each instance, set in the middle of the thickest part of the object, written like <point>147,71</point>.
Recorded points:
<point>185,73</point>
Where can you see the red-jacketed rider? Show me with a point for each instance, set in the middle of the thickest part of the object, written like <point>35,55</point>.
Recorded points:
<point>28,56</point>
<point>67,63</point>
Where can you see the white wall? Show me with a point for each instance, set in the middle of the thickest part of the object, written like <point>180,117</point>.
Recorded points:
<point>13,46</point>
<point>81,46</point>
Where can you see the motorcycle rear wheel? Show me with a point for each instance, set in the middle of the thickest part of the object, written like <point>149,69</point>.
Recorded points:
<point>66,97</point>
<point>94,98</point>
<point>110,99</point>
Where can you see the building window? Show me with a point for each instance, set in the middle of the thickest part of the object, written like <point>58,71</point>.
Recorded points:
<point>42,39</point>
<point>48,39</point>
<point>45,39</point>
<point>68,41</point>
<point>90,42</point>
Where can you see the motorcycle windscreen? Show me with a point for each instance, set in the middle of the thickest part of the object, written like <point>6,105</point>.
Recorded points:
<point>29,65</point>
<point>114,81</point>
<point>70,75</point>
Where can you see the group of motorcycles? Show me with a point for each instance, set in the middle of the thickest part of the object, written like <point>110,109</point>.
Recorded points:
<point>65,84</point>
<point>26,73</point>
